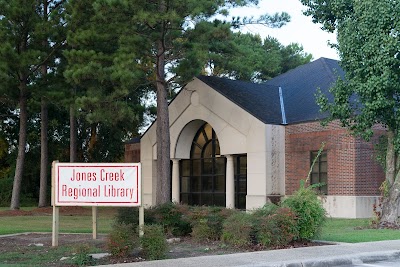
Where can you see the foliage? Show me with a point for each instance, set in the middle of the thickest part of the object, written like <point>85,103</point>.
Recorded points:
<point>207,222</point>
<point>277,229</point>
<point>237,229</point>
<point>122,240</point>
<point>173,217</point>
<point>267,209</point>
<point>5,190</point>
<point>153,242</point>
<point>82,257</point>
<point>309,211</point>
<point>368,44</point>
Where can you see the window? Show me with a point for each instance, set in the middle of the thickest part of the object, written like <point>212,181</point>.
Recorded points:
<point>240,165</point>
<point>319,172</point>
<point>203,176</point>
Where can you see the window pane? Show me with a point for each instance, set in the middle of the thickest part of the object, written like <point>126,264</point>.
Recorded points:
<point>314,178</point>
<point>207,166</point>
<point>207,151</point>
<point>242,186</point>
<point>195,199</point>
<point>243,164</point>
<point>220,166</point>
<point>207,199</point>
<point>185,198</point>
<point>207,184</point>
<point>200,139</point>
<point>217,150</point>
<point>324,167</point>
<point>196,167</point>
<point>219,200</point>
<point>219,183</point>
<point>241,201</point>
<point>208,130</point>
<point>195,184</point>
<point>323,178</point>
<point>185,167</point>
<point>185,184</point>
<point>315,168</point>
<point>324,156</point>
<point>196,152</point>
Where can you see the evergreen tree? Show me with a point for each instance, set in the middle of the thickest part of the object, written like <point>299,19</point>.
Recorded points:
<point>23,32</point>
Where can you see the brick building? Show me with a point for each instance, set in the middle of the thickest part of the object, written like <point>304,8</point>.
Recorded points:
<point>240,144</point>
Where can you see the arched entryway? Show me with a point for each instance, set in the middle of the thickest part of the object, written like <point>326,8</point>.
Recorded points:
<point>203,177</point>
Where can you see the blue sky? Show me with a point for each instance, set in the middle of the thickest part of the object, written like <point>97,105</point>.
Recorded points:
<point>300,30</point>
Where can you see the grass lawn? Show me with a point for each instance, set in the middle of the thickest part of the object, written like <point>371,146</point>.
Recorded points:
<point>354,231</point>
<point>68,223</point>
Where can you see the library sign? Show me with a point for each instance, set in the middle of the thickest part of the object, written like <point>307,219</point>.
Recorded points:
<point>97,184</point>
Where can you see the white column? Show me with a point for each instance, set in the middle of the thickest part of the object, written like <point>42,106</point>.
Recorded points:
<point>175,181</point>
<point>230,182</point>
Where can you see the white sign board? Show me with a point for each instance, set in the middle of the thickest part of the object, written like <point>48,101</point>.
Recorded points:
<point>97,184</point>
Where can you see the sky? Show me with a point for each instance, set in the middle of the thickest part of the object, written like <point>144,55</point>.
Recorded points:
<point>299,30</point>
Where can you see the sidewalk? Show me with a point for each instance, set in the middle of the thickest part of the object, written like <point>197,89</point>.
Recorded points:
<point>320,256</point>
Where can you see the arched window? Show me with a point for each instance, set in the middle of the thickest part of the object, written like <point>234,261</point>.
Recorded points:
<point>203,176</point>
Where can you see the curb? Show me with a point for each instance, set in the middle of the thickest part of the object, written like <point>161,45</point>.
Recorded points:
<point>358,258</point>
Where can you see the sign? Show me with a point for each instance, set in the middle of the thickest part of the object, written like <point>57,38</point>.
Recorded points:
<point>97,184</point>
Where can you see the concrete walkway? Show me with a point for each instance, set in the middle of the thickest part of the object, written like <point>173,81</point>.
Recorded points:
<point>320,256</point>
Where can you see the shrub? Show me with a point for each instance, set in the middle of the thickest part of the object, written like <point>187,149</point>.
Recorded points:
<point>309,210</point>
<point>154,244</point>
<point>172,217</point>
<point>122,239</point>
<point>267,209</point>
<point>207,222</point>
<point>82,257</point>
<point>276,229</point>
<point>237,229</point>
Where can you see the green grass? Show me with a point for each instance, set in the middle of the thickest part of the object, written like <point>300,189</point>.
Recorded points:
<point>355,231</point>
<point>68,223</point>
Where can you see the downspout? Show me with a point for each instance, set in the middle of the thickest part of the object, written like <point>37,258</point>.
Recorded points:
<point>282,106</point>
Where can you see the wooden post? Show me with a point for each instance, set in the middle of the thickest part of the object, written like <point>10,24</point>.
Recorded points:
<point>56,210</point>
<point>141,221</point>
<point>56,226</point>
<point>94,221</point>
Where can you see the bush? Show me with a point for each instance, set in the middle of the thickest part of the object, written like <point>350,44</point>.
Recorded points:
<point>276,229</point>
<point>237,229</point>
<point>310,213</point>
<point>173,217</point>
<point>154,244</point>
<point>82,257</point>
<point>207,222</point>
<point>267,209</point>
<point>122,239</point>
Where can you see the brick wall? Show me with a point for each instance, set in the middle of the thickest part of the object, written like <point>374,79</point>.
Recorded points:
<point>132,152</point>
<point>352,169</point>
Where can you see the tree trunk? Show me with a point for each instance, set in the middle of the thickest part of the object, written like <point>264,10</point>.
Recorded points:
<point>163,189</point>
<point>72,134</point>
<point>390,203</point>
<point>92,141</point>
<point>44,122</point>
<point>19,168</point>
<point>44,155</point>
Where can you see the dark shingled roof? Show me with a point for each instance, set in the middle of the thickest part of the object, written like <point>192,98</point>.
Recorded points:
<point>298,88</point>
